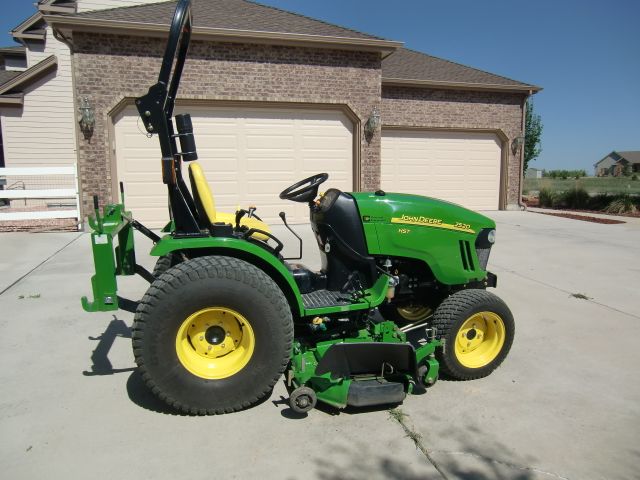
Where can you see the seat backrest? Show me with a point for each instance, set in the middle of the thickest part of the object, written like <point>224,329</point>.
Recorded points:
<point>205,204</point>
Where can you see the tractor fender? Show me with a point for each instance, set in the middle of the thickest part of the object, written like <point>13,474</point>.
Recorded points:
<point>243,250</point>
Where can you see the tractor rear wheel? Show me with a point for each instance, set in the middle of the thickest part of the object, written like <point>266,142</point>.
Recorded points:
<point>477,328</point>
<point>212,335</point>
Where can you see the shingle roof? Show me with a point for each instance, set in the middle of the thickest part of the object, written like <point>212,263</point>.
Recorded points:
<point>229,14</point>
<point>13,81</point>
<point>13,50</point>
<point>632,156</point>
<point>405,64</point>
<point>6,75</point>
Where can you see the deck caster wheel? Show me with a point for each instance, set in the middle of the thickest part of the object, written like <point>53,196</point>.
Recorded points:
<point>424,382</point>
<point>302,399</point>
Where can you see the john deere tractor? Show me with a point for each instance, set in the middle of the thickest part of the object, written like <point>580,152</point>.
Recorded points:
<point>226,315</point>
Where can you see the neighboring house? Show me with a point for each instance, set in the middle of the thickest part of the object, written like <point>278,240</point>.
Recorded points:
<point>614,163</point>
<point>274,97</point>
<point>533,173</point>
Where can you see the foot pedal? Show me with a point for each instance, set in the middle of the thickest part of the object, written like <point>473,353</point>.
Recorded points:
<point>366,393</point>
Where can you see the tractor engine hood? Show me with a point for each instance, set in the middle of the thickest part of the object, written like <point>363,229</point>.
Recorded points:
<point>452,240</point>
<point>416,210</point>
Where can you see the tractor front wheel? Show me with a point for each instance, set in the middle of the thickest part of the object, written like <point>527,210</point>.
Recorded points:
<point>477,328</point>
<point>212,335</point>
<point>165,262</point>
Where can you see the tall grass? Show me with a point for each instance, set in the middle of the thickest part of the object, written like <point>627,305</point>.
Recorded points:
<point>622,204</point>
<point>593,185</point>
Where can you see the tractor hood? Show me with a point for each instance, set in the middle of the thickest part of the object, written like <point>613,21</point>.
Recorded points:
<point>416,210</point>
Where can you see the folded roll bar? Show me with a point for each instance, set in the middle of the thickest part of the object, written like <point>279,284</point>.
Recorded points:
<point>156,110</point>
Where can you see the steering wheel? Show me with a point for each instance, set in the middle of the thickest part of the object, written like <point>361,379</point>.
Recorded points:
<point>305,190</point>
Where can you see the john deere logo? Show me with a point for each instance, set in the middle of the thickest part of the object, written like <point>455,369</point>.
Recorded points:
<point>366,218</point>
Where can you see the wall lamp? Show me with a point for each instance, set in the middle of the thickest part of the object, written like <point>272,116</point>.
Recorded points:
<point>372,124</point>
<point>516,144</point>
<point>87,118</point>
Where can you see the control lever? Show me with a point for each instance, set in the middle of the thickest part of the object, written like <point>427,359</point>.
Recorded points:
<point>283,216</point>
<point>249,213</point>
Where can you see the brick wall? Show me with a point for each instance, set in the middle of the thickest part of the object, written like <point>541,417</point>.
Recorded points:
<point>109,68</point>
<point>428,108</point>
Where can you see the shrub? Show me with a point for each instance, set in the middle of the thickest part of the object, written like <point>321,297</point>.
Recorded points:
<point>546,197</point>
<point>622,204</point>
<point>634,177</point>
<point>599,201</point>
<point>575,198</point>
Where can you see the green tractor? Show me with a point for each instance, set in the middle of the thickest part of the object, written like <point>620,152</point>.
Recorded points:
<point>226,315</point>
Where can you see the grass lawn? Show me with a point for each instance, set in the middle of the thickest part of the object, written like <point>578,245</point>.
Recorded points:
<point>593,185</point>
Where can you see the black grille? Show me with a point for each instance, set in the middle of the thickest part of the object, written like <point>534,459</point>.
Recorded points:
<point>483,256</point>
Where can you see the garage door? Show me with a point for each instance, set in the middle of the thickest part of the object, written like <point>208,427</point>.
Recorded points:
<point>249,156</point>
<point>459,167</point>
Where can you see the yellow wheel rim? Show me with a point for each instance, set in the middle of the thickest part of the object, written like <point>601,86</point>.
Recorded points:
<point>480,339</point>
<point>215,343</point>
<point>414,313</point>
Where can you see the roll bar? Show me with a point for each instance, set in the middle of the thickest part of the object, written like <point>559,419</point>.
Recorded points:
<point>156,111</point>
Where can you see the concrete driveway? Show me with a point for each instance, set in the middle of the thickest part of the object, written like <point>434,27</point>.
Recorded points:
<point>565,404</point>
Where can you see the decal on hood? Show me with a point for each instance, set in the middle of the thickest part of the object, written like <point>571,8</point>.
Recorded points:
<point>432,222</point>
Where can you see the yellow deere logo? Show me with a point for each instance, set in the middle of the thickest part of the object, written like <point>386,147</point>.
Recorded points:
<point>432,222</point>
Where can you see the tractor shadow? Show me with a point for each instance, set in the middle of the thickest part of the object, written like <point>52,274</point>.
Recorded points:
<point>137,390</point>
<point>100,363</point>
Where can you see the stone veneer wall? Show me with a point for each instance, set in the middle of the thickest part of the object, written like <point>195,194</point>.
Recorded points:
<point>109,68</point>
<point>454,109</point>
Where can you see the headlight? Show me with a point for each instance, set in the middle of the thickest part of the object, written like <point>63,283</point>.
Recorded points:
<point>486,238</point>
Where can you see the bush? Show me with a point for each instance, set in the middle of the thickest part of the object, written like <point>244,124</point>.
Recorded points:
<point>622,204</point>
<point>634,177</point>
<point>600,201</point>
<point>564,174</point>
<point>546,198</point>
<point>576,198</point>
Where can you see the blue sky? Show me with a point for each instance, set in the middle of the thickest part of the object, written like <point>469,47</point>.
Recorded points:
<point>585,54</point>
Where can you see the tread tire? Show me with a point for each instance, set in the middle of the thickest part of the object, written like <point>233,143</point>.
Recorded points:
<point>165,262</point>
<point>200,283</point>
<point>449,317</point>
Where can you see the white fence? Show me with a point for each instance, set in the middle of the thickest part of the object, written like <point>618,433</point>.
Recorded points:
<point>53,193</point>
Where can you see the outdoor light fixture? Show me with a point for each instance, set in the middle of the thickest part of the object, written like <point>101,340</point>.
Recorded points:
<point>516,144</point>
<point>87,118</point>
<point>372,124</point>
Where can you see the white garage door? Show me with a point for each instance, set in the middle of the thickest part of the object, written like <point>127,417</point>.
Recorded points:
<point>249,156</point>
<point>459,167</point>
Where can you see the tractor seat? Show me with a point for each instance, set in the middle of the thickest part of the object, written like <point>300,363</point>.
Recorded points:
<point>206,205</point>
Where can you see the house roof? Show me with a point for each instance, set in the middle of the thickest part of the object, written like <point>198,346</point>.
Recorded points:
<point>230,20</point>
<point>15,83</point>
<point>234,14</point>
<point>13,50</point>
<point>632,156</point>
<point>33,28</point>
<point>415,68</point>
<point>6,75</point>
<point>244,20</point>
